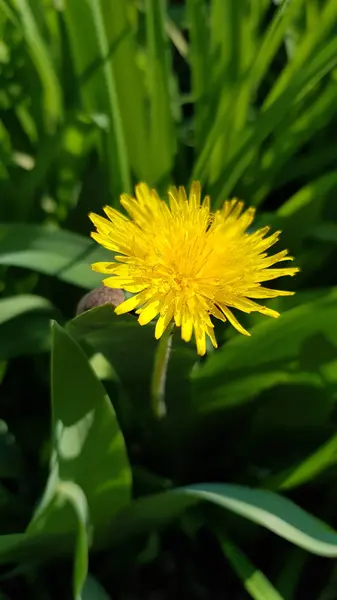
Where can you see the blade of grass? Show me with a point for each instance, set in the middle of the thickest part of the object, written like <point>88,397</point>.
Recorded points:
<point>162,131</point>
<point>311,467</point>
<point>43,63</point>
<point>254,581</point>
<point>197,14</point>
<point>291,573</point>
<point>90,45</point>
<point>226,34</point>
<point>261,61</point>
<point>297,128</point>
<point>116,138</point>
<point>305,49</point>
<point>129,84</point>
<point>266,123</point>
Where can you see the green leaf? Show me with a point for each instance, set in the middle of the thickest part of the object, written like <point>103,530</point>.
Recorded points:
<point>275,513</point>
<point>291,572</point>
<point>14,306</point>
<point>254,581</point>
<point>305,207</point>
<point>306,470</point>
<point>197,12</point>
<point>91,46</point>
<point>63,254</point>
<point>130,348</point>
<point>73,494</point>
<point>42,62</point>
<point>88,445</point>
<point>119,21</point>
<point>278,352</point>
<point>162,132</point>
<point>10,455</point>
<point>24,325</point>
<point>306,49</point>
<point>93,590</point>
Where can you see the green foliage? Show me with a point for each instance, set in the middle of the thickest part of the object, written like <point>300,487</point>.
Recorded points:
<point>236,485</point>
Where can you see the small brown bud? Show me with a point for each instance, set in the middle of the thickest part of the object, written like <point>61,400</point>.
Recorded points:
<point>99,297</point>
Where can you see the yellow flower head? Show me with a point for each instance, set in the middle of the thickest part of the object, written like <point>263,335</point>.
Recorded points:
<point>184,263</point>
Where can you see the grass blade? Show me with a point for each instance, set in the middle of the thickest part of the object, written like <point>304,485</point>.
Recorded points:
<point>121,33</point>
<point>43,63</point>
<point>90,46</point>
<point>162,131</point>
<point>254,581</point>
<point>199,59</point>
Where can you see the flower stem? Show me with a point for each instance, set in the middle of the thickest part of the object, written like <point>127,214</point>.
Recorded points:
<point>159,373</point>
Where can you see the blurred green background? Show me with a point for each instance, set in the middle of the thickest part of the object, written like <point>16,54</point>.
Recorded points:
<point>95,96</point>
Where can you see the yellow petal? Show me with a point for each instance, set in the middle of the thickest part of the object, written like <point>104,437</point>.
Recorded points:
<point>200,338</point>
<point>210,333</point>
<point>261,292</point>
<point>115,216</point>
<point>103,267</point>
<point>163,322</point>
<point>186,328</point>
<point>105,242</point>
<point>102,225</point>
<point>149,313</point>
<point>228,313</point>
<point>269,274</point>
<point>129,304</point>
<point>195,194</point>
<point>116,282</point>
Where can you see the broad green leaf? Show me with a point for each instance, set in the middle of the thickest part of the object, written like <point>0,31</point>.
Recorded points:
<point>32,548</point>
<point>24,325</point>
<point>130,348</point>
<point>17,305</point>
<point>278,351</point>
<point>62,254</point>
<point>93,590</point>
<point>267,509</point>
<point>254,581</point>
<point>88,445</point>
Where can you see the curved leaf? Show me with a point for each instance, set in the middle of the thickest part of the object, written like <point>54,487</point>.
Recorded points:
<point>24,325</point>
<point>88,445</point>
<point>93,590</point>
<point>64,254</point>
<point>264,508</point>
<point>131,348</point>
<point>15,306</point>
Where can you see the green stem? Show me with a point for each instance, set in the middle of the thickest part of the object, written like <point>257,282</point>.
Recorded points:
<point>159,373</point>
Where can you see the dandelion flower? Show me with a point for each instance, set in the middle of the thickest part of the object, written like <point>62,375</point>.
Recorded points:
<point>185,264</point>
